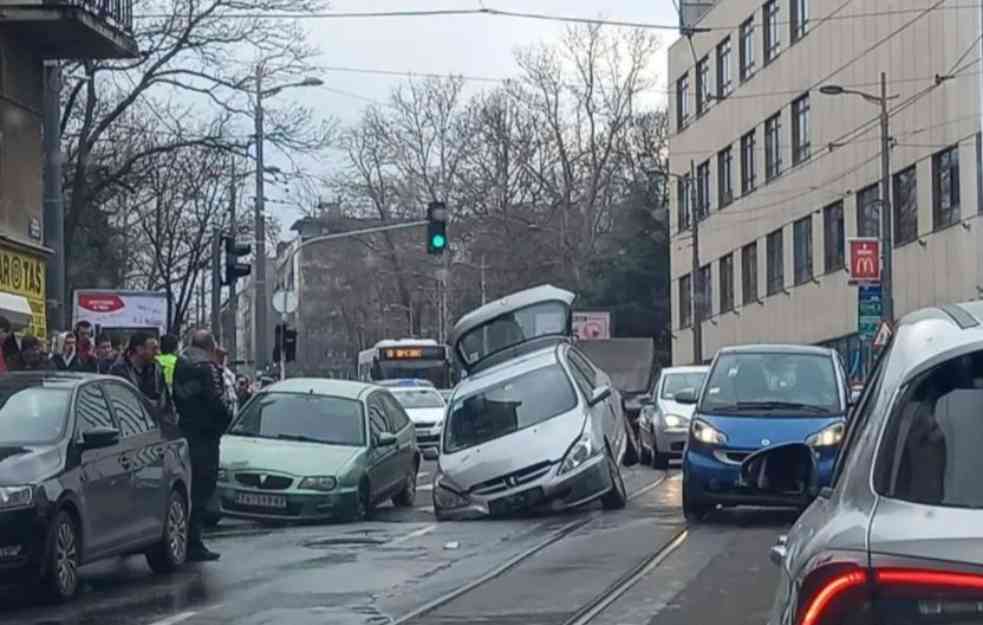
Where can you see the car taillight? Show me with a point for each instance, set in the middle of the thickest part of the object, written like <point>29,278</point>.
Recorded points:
<point>835,594</point>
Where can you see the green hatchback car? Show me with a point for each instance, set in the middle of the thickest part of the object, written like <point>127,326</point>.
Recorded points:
<point>310,449</point>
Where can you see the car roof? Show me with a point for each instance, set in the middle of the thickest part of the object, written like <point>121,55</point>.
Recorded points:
<point>66,379</point>
<point>508,369</point>
<point>927,337</point>
<point>346,389</point>
<point>776,348</point>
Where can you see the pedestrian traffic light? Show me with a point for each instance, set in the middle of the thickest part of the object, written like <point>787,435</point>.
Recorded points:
<point>234,269</point>
<point>436,228</point>
<point>287,337</point>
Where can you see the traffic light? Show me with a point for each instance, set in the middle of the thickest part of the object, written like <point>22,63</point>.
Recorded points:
<point>234,269</point>
<point>436,228</point>
<point>288,341</point>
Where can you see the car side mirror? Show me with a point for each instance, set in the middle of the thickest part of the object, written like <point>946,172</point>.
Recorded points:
<point>100,437</point>
<point>599,394</point>
<point>855,396</point>
<point>386,439</point>
<point>784,470</point>
<point>685,396</point>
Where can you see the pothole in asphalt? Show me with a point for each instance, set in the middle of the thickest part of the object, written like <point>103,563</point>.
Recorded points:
<point>344,541</point>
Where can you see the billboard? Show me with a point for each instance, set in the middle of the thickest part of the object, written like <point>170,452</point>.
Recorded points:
<point>121,309</point>
<point>592,325</point>
<point>865,260</point>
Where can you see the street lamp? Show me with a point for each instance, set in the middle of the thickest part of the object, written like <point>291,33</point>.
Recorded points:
<point>259,272</point>
<point>887,256</point>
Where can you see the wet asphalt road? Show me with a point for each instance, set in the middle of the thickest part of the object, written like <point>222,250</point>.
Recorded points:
<point>403,567</point>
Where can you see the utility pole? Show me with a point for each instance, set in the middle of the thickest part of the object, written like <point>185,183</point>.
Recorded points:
<point>54,200</point>
<point>697,297</point>
<point>484,297</point>
<point>233,298</point>
<point>260,344</point>
<point>217,284</point>
<point>887,233</point>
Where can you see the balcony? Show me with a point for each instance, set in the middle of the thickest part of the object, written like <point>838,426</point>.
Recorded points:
<point>72,29</point>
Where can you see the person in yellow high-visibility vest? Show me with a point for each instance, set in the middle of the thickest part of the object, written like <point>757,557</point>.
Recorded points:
<point>167,358</point>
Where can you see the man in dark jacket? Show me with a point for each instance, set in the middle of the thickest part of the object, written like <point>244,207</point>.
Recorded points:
<point>199,391</point>
<point>32,356</point>
<point>70,359</point>
<point>139,367</point>
<point>105,354</point>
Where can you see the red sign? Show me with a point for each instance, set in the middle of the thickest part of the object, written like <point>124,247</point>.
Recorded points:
<point>865,259</point>
<point>101,302</point>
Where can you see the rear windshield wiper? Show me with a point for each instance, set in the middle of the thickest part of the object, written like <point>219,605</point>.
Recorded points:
<point>781,405</point>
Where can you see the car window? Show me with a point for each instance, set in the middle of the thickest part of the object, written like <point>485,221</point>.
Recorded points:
<point>92,410</point>
<point>585,368</point>
<point>861,414</point>
<point>394,412</point>
<point>931,448</point>
<point>418,398</point>
<point>513,328</point>
<point>377,417</point>
<point>32,414</point>
<point>508,407</point>
<point>130,412</point>
<point>303,417</point>
<point>782,384</point>
<point>581,380</point>
<point>676,382</point>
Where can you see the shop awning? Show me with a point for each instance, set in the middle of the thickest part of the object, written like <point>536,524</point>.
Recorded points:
<point>16,309</point>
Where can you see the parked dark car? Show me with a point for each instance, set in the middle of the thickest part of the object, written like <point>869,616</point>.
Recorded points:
<point>86,473</point>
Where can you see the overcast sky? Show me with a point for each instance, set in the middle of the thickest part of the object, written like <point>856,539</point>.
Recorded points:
<point>476,45</point>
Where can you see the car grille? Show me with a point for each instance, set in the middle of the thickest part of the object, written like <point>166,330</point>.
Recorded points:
<point>512,480</point>
<point>731,457</point>
<point>272,482</point>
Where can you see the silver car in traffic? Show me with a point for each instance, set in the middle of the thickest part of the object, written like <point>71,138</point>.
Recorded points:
<point>663,425</point>
<point>897,536</point>
<point>534,425</point>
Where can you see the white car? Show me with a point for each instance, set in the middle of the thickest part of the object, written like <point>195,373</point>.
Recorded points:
<point>426,408</point>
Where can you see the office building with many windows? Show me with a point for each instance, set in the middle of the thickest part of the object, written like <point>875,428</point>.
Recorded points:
<point>779,176</point>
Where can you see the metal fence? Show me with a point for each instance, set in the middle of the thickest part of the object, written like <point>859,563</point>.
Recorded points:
<point>118,13</point>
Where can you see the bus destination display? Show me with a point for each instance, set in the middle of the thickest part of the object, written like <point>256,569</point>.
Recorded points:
<point>412,353</point>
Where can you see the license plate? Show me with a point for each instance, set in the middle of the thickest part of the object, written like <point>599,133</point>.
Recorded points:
<point>261,501</point>
<point>518,502</point>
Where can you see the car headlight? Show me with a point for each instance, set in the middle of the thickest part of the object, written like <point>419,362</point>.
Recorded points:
<point>16,497</point>
<point>318,482</point>
<point>580,452</point>
<point>673,421</point>
<point>828,437</point>
<point>446,494</point>
<point>707,434</point>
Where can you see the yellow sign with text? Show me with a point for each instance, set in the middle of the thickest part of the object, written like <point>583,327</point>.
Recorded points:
<point>22,274</point>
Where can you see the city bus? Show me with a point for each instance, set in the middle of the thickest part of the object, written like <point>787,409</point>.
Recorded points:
<point>393,359</point>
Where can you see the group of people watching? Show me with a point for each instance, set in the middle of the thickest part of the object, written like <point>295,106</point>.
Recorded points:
<point>193,390</point>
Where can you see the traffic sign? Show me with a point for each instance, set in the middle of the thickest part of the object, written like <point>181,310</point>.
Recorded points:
<point>869,306</point>
<point>884,334</point>
<point>284,301</point>
<point>865,260</point>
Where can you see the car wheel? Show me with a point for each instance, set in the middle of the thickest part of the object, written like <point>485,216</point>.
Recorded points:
<point>407,496</point>
<point>617,497</point>
<point>171,552</point>
<point>61,578</point>
<point>646,453</point>
<point>659,460</point>
<point>694,512</point>
<point>362,509</point>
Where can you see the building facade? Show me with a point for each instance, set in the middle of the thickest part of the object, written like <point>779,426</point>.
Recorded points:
<point>244,328</point>
<point>33,33</point>
<point>780,175</point>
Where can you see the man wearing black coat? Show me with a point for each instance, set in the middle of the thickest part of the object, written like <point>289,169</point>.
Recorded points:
<point>199,392</point>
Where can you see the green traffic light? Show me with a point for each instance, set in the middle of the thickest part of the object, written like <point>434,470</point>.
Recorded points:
<point>438,241</point>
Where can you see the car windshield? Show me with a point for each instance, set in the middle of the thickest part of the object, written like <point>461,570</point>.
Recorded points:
<point>418,398</point>
<point>772,384</point>
<point>32,414</point>
<point>303,417</point>
<point>508,407</point>
<point>511,329</point>
<point>676,382</point>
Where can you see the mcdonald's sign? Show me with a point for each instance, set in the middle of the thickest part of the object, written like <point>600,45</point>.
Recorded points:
<point>865,259</point>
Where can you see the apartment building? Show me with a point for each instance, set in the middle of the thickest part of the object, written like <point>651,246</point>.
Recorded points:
<point>781,175</point>
<point>33,32</point>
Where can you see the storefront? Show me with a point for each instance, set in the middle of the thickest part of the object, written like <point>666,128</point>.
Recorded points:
<point>22,275</point>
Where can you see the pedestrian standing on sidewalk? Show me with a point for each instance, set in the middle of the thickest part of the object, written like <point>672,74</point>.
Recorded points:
<point>199,391</point>
<point>70,359</point>
<point>168,357</point>
<point>228,378</point>
<point>6,335</point>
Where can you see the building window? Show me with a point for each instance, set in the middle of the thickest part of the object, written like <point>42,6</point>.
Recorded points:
<point>725,81</point>
<point>800,19</point>
<point>725,177</point>
<point>703,190</point>
<point>747,48</point>
<point>834,237</point>
<point>685,303</point>
<point>683,198</point>
<point>705,303</point>
<point>979,173</point>
<point>905,195</point>
<point>802,242</point>
<point>773,149</point>
<point>772,34</point>
<point>945,175</point>
<point>747,162</point>
<point>869,212</point>
<point>776,263</point>
<point>682,101</point>
<point>703,85</point>
<point>749,273</point>
<point>800,129</point>
<point>727,283</point>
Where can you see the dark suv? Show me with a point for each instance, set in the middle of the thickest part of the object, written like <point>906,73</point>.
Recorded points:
<point>86,473</point>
